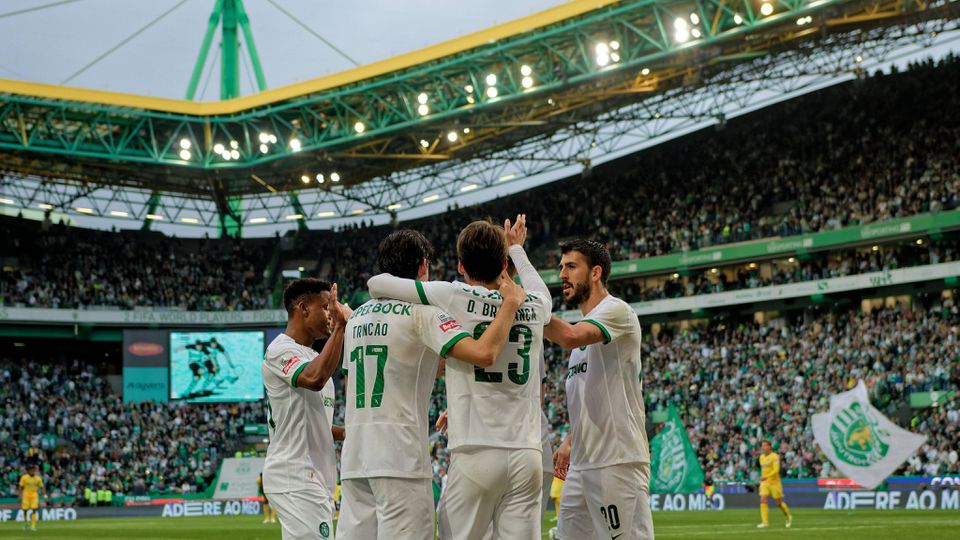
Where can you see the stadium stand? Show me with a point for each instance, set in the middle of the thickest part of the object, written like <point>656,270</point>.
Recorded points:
<point>53,265</point>
<point>844,156</point>
<point>875,149</point>
<point>66,417</point>
<point>847,155</point>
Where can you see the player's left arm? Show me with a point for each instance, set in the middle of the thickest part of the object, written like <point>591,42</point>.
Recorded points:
<point>529,277</point>
<point>571,336</point>
<point>339,432</point>
<point>611,321</point>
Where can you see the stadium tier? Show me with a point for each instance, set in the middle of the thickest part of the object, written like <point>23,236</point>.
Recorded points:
<point>678,326</point>
<point>792,169</point>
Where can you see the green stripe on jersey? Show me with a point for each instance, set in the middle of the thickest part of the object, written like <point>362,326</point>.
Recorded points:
<point>606,335</point>
<point>293,380</point>
<point>446,348</point>
<point>422,294</point>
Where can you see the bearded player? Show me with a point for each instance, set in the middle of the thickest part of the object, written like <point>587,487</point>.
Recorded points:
<point>605,459</point>
<point>770,485</point>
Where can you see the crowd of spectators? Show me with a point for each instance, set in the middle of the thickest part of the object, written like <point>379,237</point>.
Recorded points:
<point>864,151</point>
<point>882,148</point>
<point>66,418</point>
<point>734,383</point>
<point>832,265</point>
<point>56,266</point>
<point>738,383</point>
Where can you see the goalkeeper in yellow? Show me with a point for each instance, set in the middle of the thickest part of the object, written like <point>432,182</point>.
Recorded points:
<point>29,490</point>
<point>770,485</point>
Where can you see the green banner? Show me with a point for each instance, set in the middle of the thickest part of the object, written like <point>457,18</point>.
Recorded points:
<point>791,245</point>
<point>674,464</point>
<point>936,398</point>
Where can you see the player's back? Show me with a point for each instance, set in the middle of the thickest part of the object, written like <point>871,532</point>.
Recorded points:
<point>498,406</point>
<point>390,376</point>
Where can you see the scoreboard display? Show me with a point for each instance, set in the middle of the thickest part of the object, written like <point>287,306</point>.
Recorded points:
<point>210,367</point>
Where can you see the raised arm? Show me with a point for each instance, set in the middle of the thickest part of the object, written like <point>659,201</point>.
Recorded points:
<point>483,352</point>
<point>321,368</point>
<point>529,277</point>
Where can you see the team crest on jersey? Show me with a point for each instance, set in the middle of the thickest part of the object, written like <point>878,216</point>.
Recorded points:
<point>324,529</point>
<point>447,323</point>
<point>294,360</point>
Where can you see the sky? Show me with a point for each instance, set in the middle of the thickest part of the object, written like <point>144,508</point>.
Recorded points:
<point>52,45</point>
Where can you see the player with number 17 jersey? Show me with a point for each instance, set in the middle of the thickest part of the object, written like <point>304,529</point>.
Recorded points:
<point>493,412</point>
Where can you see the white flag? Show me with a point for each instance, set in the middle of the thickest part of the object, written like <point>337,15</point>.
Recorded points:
<point>861,442</point>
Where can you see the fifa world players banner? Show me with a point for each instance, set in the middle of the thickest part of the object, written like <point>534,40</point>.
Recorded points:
<point>673,461</point>
<point>862,443</point>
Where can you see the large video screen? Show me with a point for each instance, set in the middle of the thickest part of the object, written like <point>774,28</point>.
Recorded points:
<point>216,366</point>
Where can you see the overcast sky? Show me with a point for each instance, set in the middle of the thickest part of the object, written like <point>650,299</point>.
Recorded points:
<point>51,45</point>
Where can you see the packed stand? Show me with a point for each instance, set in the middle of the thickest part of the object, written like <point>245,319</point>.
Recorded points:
<point>737,383</point>
<point>66,418</point>
<point>882,148</point>
<point>57,266</point>
<point>836,264</point>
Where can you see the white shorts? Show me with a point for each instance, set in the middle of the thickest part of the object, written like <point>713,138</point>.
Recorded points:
<point>495,487</point>
<point>305,514</point>
<point>606,503</point>
<point>386,509</point>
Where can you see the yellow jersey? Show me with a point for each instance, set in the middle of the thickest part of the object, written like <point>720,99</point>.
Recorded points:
<point>770,468</point>
<point>30,484</point>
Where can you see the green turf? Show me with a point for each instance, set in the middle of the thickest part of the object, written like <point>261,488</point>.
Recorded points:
<point>808,524</point>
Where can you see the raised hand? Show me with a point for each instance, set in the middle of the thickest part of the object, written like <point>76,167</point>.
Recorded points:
<point>516,231</point>
<point>512,293</point>
<point>339,313</point>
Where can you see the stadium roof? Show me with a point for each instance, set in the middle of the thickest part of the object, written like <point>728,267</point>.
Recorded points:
<point>563,87</point>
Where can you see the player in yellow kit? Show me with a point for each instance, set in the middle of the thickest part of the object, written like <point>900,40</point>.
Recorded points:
<point>770,485</point>
<point>269,512</point>
<point>30,488</point>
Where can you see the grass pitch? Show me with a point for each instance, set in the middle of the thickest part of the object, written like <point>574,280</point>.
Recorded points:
<point>807,524</point>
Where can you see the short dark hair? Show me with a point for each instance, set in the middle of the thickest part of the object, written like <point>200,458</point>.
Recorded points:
<point>402,251</point>
<point>296,290</point>
<point>482,248</point>
<point>594,252</point>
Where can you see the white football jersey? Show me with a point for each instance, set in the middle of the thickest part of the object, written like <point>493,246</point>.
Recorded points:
<point>329,393</point>
<point>497,406</point>
<point>300,454</point>
<point>391,352</point>
<point>605,392</point>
